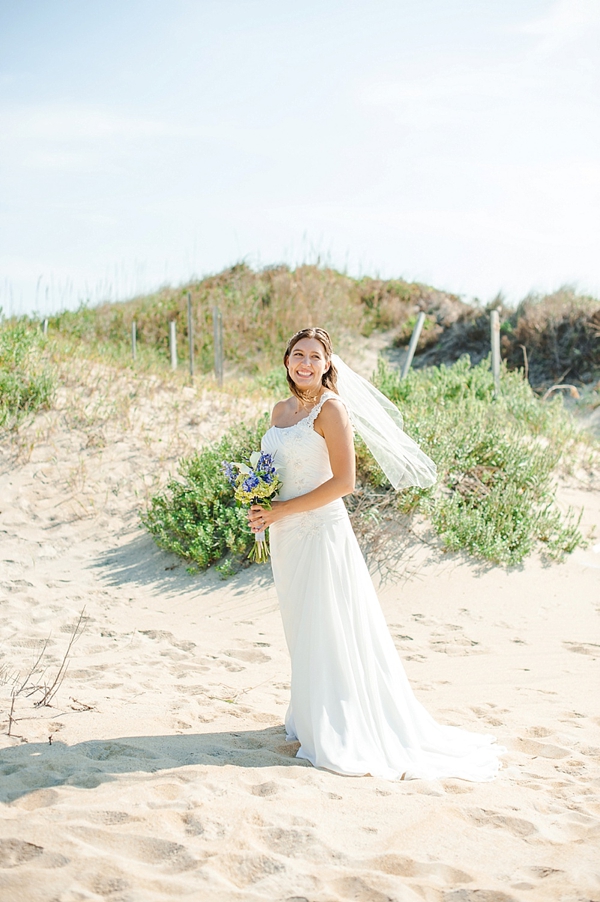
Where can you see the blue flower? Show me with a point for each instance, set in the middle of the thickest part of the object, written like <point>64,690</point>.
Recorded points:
<point>229,472</point>
<point>250,482</point>
<point>265,462</point>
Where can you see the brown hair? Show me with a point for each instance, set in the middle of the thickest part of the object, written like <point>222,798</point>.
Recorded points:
<point>329,379</point>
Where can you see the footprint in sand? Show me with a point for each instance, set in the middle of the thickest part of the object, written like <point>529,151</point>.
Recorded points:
<point>477,895</point>
<point>182,644</point>
<point>244,869</point>
<point>584,648</point>
<point>108,818</point>
<point>14,852</point>
<point>252,656</point>
<point>540,873</point>
<point>539,732</point>
<point>104,751</point>
<point>33,643</point>
<point>541,749</point>
<point>358,889</point>
<point>192,826</point>
<point>105,885</point>
<point>39,798</point>
<point>16,585</point>
<point>265,789</point>
<point>404,866</point>
<point>172,856</point>
<point>516,825</point>
<point>454,644</point>
<point>290,842</point>
<point>458,788</point>
<point>490,716</point>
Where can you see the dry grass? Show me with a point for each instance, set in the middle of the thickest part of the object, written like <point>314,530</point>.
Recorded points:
<point>36,685</point>
<point>260,311</point>
<point>551,338</point>
<point>561,335</point>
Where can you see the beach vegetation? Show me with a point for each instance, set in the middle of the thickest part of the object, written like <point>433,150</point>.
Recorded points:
<point>497,460</point>
<point>196,516</point>
<point>550,337</point>
<point>26,380</point>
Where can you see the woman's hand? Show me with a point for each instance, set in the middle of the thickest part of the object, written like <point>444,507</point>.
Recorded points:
<point>261,517</point>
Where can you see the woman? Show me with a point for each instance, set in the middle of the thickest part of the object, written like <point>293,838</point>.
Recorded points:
<point>351,707</point>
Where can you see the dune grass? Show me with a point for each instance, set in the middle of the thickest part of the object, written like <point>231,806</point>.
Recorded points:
<point>552,336</point>
<point>260,310</point>
<point>27,382</point>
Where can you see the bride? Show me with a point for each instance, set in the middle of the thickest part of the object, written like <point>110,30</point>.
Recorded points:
<point>351,708</point>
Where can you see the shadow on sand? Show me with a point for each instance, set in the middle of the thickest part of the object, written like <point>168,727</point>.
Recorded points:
<point>34,766</point>
<point>139,562</point>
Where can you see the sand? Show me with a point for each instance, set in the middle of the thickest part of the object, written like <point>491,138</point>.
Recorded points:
<point>161,770</point>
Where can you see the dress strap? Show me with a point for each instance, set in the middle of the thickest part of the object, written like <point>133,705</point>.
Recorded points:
<point>310,419</point>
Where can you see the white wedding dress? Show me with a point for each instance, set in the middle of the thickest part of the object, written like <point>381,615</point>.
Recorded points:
<point>352,708</point>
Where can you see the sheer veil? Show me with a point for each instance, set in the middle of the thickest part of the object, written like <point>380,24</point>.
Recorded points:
<point>379,423</point>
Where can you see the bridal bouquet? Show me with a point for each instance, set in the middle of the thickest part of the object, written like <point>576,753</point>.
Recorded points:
<point>254,482</point>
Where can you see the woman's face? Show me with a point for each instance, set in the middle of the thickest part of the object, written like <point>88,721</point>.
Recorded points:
<point>307,364</point>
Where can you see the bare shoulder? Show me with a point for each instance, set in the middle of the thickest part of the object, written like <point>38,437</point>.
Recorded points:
<point>334,406</point>
<point>281,411</point>
<point>334,414</point>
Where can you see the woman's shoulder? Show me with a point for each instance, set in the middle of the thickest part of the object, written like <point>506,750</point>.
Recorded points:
<point>332,408</point>
<point>333,397</point>
<point>280,409</point>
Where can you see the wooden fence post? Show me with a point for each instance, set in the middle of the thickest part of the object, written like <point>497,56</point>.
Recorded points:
<point>45,328</point>
<point>133,339</point>
<point>495,341</point>
<point>173,343</point>
<point>218,342</point>
<point>412,347</point>
<point>191,335</point>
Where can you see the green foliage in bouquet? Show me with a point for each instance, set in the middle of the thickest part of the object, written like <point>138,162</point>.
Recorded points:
<point>196,516</point>
<point>26,383</point>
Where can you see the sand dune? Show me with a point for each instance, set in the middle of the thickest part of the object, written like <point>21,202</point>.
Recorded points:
<point>161,769</point>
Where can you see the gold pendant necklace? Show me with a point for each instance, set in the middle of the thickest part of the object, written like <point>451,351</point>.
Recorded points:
<point>306,400</point>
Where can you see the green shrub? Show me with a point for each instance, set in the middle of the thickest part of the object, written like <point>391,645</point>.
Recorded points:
<point>26,383</point>
<point>496,460</point>
<point>196,516</point>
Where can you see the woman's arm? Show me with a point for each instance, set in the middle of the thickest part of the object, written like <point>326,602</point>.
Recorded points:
<point>333,424</point>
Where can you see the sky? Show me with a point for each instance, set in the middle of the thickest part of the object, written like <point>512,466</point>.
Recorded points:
<point>146,142</point>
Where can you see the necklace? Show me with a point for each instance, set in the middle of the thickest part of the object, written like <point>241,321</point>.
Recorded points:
<point>307,400</point>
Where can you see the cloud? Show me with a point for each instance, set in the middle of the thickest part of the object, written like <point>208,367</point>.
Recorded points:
<point>57,137</point>
<point>69,123</point>
<point>435,100</point>
<point>567,22</point>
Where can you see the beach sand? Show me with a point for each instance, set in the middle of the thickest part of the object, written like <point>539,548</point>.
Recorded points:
<point>161,770</point>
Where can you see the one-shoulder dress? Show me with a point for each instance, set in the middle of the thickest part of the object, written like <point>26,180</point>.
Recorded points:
<point>352,708</point>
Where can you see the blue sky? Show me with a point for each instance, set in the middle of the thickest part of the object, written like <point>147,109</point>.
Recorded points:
<point>143,142</point>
